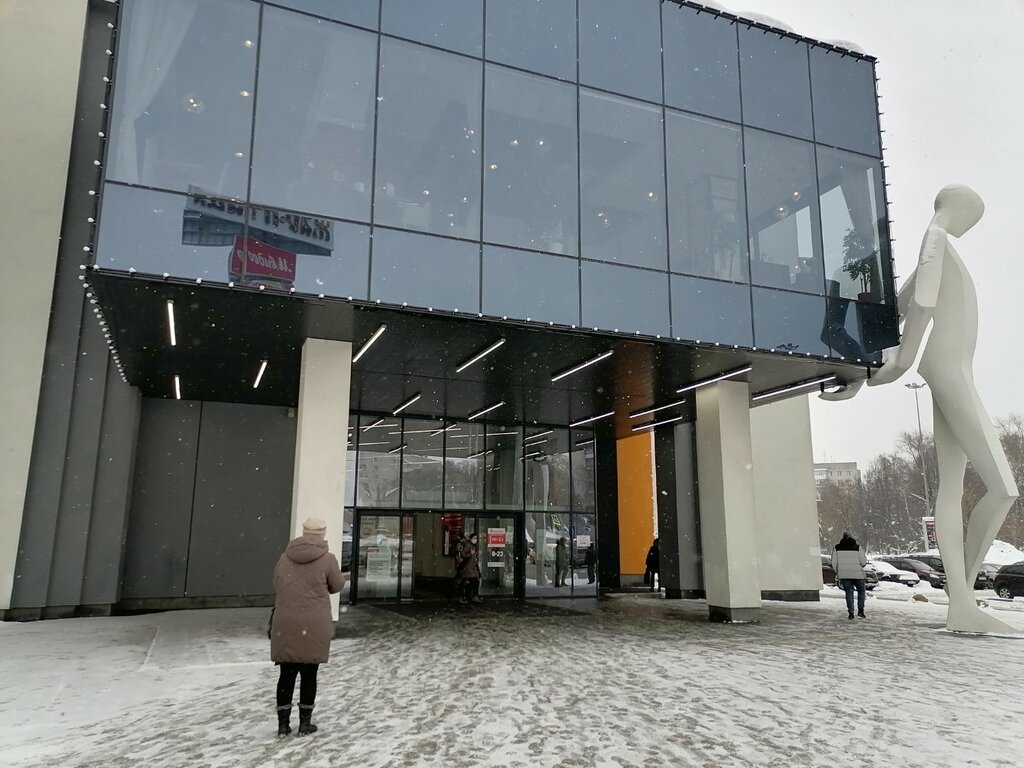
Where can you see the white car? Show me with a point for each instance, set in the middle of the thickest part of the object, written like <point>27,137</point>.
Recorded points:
<point>888,572</point>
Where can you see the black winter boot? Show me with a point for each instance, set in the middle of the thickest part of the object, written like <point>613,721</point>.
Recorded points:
<point>305,715</point>
<point>284,716</point>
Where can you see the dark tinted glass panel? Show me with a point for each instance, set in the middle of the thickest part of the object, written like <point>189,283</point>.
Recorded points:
<point>457,25</point>
<point>378,473</point>
<point>157,232</point>
<point>313,148</point>
<point>707,209</point>
<point>845,109</point>
<point>625,299</point>
<point>853,226</point>
<point>860,331</point>
<point>620,46</point>
<point>322,255</point>
<point>182,110</point>
<point>504,471</point>
<point>546,460</point>
<point>790,322</point>
<point>776,83</point>
<point>583,503</point>
<point>705,310</point>
<point>521,284</point>
<point>701,62</point>
<point>422,463</point>
<point>361,12</point>
<point>622,181</point>
<point>783,213</point>
<point>530,162</point>
<point>539,35</point>
<point>428,139</point>
<point>465,464</point>
<point>425,271</point>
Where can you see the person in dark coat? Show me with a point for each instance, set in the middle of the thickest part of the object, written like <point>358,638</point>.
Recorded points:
<point>590,560</point>
<point>302,627</point>
<point>654,563</point>
<point>561,562</point>
<point>471,570</point>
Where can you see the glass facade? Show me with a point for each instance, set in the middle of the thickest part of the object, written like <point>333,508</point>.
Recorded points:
<point>637,167</point>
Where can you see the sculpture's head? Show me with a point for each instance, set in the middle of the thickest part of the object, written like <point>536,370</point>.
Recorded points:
<point>959,208</point>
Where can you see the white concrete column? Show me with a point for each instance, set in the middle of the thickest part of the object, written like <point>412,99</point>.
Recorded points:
<point>321,440</point>
<point>726,485</point>
<point>785,504</point>
<point>40,61</point>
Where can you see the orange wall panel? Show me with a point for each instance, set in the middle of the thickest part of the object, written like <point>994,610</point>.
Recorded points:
<point>635,471</point>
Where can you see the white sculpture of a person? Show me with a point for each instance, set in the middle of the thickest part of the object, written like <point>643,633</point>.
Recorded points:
<point>941,293</point>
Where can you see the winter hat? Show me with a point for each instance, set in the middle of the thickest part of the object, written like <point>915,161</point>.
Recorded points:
<point>314,526</point>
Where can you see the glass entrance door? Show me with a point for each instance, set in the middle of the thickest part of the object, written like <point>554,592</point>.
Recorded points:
<point>385,557</point>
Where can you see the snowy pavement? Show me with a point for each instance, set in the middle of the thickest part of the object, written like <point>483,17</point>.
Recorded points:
<point>628,681</point>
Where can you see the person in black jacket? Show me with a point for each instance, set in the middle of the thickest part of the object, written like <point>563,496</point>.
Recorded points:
<point>590,560</point>
<point>653,563</point>
<point>848,561</point>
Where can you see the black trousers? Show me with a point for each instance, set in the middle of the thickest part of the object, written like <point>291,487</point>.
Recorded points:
<point>471,588</point>
<point>286,684</point>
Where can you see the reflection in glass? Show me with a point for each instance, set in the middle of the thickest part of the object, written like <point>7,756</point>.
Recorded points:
<point>620,47</point>
<point>539,35</point>
<point>625,299</point>
<point>521,284</point>
<point>859,331</point>
<point>701,67</point>
<point>379,470</point>
<point>530,162</point>
<point>783,213</point>
<point>853,226</point>
<point>314,121</point>
<point>845,108</point>
<point>790,322</point>
<point>425,271</point>
<point>545,455</point>
<point>622,181</point>
<point>583,541</point>
<point>705,310</point>
<point>156,232</point>
<point>380,551</point>
<point>457,25</point>
<point>707,212</point>
<point>428,139</point>
<point>422,463</point>
<point>497,554</point>
<point>776,83</point>
<point>504,478</point>
<point>361,12</point>
<point>182,111</point>
<point>465,466</point>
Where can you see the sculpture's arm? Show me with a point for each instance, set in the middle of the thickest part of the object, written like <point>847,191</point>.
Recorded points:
<point>906,294</point>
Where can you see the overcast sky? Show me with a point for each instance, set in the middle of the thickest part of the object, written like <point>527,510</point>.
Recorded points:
<point>950,86</point>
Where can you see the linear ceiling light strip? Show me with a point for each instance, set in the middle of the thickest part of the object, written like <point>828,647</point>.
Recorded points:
<point>589,419</point>
<point>259,376</point>
<point>540,434</point>
<point>653,424</point>
<point>713,379</point>
<point>396,450</point>
<point>177,388</point>
<point>406,404</point>
<point>581,366</point>
<point>479,356</point>
<point>170,323</point>
<point>793,387</point>
<point>369,342</point>
<point>488,409</point>
<point>649,411</point>
<point>478,454</point>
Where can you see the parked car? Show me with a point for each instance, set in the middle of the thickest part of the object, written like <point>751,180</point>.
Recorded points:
<point>924,572</point>
<point>889,572</point>
<point>828,574</point>
<point>983,579</point>
<point>1009,581</point>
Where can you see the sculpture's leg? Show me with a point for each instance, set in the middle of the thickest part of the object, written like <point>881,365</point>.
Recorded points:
<point>957,434</point>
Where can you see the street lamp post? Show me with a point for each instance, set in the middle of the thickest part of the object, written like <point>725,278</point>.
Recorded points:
<point>920,444</point>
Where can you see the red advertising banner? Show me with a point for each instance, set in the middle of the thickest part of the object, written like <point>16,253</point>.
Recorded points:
<point>253,261</point>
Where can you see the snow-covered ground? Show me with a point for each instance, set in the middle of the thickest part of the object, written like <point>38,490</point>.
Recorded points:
<point>628,681</point>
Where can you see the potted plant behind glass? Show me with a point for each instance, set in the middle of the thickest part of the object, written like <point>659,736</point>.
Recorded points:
<point>859,260</point>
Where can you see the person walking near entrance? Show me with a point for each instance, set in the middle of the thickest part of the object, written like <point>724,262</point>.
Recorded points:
<point>470,554</point>
<point>654,564</point>
<point>561,562</point>
<point>590,560</point>
<point>458,581</point>
<point>848,561</point>
<point>301,627</point>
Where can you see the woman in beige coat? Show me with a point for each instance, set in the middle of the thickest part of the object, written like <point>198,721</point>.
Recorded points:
<point>302,627</point>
